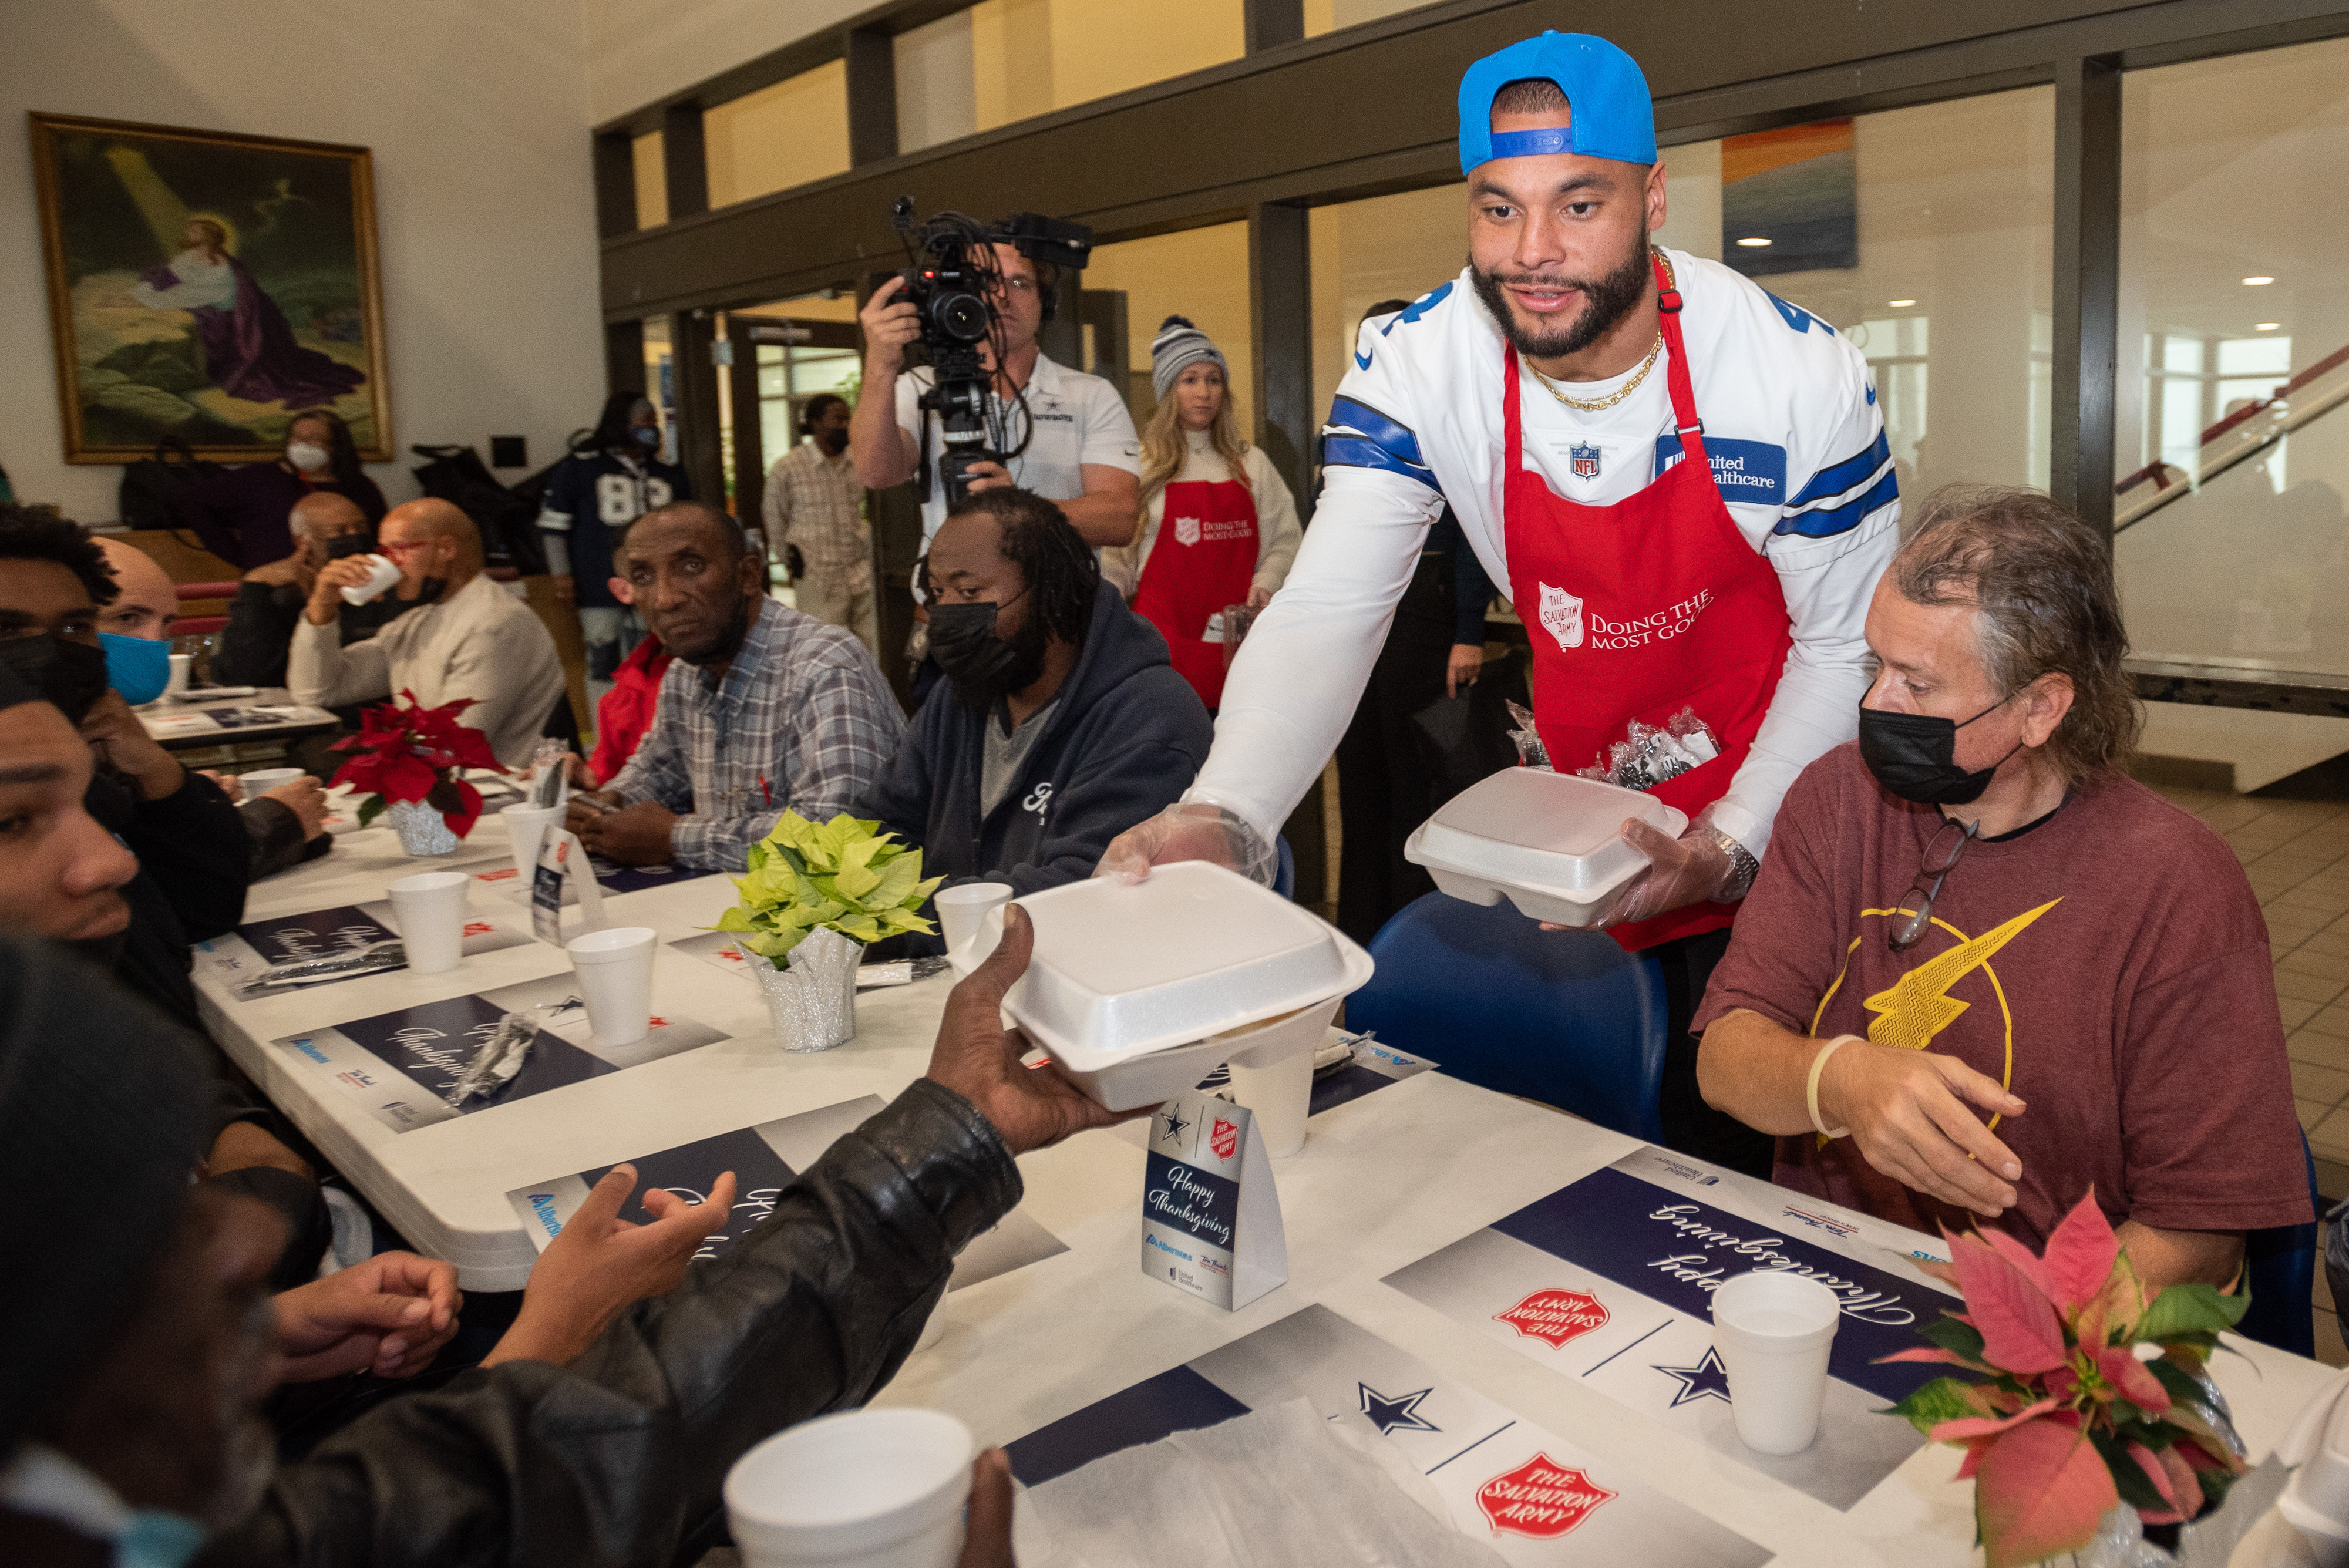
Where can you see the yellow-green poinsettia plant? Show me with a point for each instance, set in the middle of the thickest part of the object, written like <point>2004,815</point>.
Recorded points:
<point>845,876</point>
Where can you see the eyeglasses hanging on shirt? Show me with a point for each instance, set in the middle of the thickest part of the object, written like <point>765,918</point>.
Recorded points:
<point>1915,919</point>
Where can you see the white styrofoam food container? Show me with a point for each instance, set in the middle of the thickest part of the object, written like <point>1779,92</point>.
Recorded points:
<point>1123,972</point>
<point>1552,844</point>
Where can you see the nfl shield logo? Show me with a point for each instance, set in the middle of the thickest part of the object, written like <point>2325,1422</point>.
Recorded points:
<point>1561,612</point>
<point>1585,459</point>
<point>1186,530</point>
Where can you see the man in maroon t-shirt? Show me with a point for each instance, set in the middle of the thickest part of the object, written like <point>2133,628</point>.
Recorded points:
<point>2006,970</point>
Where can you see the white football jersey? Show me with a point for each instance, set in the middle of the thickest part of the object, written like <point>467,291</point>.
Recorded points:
<point>1797,449</point>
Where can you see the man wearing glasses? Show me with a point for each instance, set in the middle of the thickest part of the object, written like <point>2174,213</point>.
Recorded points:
<point>1983,971</point>
<point>466,638</point>
<point>1077,441</point>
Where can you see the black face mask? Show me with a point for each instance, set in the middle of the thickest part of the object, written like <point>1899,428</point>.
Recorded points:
<point>1914,756</point>
<point>70,674</point>
<point>348,544</point>
<point>834,441</point>
<point>984,668</point>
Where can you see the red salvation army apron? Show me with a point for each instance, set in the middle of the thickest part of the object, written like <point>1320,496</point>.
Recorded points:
<point>1203,560</point>
<point>1641,608</point>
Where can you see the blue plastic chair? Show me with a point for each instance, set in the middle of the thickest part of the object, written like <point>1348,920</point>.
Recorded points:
<point>1284,875</point>
<point>2281,1265</point>
<point>1568,1018</point>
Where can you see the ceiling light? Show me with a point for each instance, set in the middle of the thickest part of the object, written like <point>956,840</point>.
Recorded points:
<point>1754,242</point>
<point>2267,325</point>
<point>2257,282</point>
<point>1898,303</point>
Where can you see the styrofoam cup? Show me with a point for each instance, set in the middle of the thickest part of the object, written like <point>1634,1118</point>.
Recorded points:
<point>430,910</point>
<point>381,575</point>
<point>864,1489</point>
<point>615,970</point>
<point>1276,1081</point>
<point>260,781</point>
<point>1774,1331</point>
<point>176,688</point>
<point>962,909</point>
<point>526,828</point>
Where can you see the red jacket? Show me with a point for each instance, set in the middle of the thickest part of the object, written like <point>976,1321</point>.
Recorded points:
<point>626,714</point>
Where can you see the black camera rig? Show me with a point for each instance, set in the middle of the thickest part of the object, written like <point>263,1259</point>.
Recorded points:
<point>953,276</point>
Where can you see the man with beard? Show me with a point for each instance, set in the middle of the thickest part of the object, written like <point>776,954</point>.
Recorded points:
<point>814,508</point>
<point>766,709</point>
<point>1061,718</point>
<point>1682,480</point>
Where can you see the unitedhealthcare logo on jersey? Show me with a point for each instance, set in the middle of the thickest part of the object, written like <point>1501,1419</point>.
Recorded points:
<point>1748,473</point>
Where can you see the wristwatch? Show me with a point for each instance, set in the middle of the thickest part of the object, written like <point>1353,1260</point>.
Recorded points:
<point>1742,867</point>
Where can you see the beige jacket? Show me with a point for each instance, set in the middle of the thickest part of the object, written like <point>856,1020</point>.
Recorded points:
<point>480,642</point>
<point>1278,531</point>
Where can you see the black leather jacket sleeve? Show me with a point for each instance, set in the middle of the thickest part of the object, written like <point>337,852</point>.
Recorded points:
<point>619,1457</point>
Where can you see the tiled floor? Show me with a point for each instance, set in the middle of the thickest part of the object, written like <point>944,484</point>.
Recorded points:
<point>2296,854</point>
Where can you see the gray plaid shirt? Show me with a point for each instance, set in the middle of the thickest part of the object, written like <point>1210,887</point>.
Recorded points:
<point>804,721</point>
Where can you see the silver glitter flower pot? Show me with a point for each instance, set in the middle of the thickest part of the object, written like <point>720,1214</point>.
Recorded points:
<point>422,829</point>
<point>813,1004</point>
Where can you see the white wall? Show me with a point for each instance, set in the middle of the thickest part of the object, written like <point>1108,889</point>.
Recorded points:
<point>637,53</point>
<point>484,198</point>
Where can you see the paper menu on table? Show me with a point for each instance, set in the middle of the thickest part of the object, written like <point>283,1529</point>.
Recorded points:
<point>1534,1497</point>
<point>764,1158</point>
<point>1609,1282</point>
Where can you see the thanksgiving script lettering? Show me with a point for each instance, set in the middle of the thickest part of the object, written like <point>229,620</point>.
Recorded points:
<point>1762,1253</point>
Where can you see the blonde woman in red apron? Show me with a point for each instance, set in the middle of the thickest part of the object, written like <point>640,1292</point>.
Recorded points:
<point>1218,526</point>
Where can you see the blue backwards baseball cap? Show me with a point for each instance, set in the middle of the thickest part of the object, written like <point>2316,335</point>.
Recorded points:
<point>1613,116</point>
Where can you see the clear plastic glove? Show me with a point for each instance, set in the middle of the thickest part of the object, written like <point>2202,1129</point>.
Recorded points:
<point>1191,830</point>
<point>1691,869</point>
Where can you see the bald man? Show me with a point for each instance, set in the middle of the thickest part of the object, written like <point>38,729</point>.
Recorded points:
<point>286,825</point>
<point>268,604</point>
<point>466,638</point>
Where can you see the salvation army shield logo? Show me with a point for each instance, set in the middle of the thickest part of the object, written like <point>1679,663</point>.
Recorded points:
<point>1584,459</point>
<point>1224,1138</point>
<point>1561,613</point>
<point>1186,530</point>
<point>1541,1499</point>
<point>1555,1316</point>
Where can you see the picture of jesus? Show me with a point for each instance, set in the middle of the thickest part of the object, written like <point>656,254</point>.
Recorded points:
<point>206,287</point>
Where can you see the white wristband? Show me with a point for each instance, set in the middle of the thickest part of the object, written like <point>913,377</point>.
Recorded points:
<point>1811,1086</point>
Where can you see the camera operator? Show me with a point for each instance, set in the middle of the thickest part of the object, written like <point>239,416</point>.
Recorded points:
<point>1080,446</point>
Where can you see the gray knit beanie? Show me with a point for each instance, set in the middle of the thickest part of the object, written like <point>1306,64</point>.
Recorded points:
<point>1179,344</point>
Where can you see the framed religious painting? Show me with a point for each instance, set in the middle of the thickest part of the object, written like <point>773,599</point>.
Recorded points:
<point>207,288</point>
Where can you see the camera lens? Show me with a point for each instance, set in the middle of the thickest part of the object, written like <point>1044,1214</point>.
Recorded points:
<point>962,316</point>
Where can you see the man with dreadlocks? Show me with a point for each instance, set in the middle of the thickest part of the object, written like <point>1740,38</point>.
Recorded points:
<point>1060,719</point>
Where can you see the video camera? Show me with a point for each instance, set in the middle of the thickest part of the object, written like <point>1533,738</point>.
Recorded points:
<point>950,284</point>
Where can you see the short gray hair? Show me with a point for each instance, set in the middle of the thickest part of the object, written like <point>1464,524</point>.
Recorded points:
<point>2041,583</point>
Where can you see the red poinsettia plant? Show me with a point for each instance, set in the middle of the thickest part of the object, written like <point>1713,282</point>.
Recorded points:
<point>2094,1391</point>
<point>414,752</point>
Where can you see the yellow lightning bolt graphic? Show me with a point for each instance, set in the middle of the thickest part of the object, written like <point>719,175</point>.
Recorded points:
<point>1918,1005</point>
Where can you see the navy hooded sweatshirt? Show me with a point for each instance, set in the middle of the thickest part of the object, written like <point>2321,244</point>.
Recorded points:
<point>1125,742</point>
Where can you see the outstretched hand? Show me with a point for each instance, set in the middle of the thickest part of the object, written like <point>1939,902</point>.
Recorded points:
<point>601,1265</point>
<point>978,1059</point>
<point>389,1316</point>
<point>1190,830</point>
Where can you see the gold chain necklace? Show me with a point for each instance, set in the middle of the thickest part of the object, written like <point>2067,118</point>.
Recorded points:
<point>1601,404</point>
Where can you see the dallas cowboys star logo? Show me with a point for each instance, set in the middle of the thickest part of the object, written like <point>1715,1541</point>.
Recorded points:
<point>1172,1124</point>
<point>1387,1414</point>
<point>1707,1379</point>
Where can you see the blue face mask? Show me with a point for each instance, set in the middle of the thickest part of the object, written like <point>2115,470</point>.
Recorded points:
<point>646,435</point>
<point>44,1483</point>
<point>138,666</point>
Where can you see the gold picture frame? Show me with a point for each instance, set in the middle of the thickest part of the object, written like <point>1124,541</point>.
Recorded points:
<point>205,287</point>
